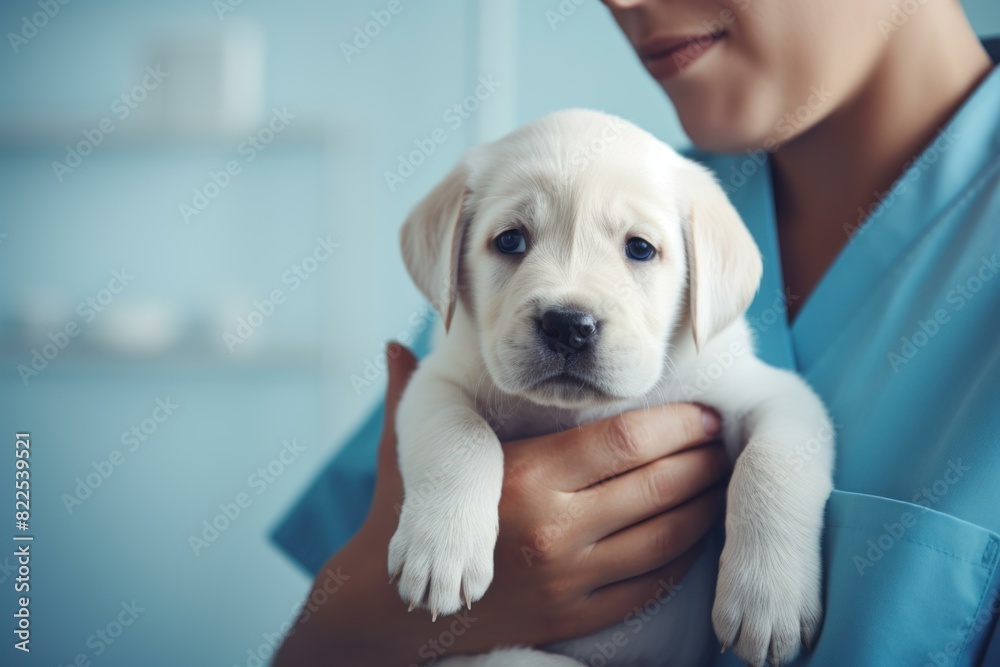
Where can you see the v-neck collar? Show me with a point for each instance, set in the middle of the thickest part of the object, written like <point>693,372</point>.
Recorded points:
<point>967,146</point>
<point>750,190</point>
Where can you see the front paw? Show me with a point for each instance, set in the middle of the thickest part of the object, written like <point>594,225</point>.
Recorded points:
<point>443,559</point>
<point>767,604</point>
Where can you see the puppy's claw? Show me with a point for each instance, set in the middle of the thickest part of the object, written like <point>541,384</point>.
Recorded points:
<point>413,605</point>
<point>434,615</point>
<point>468,600</point>
<point>724,647</point>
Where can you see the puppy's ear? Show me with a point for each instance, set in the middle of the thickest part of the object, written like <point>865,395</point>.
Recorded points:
<point>432,242</point>
<point>724,264</point>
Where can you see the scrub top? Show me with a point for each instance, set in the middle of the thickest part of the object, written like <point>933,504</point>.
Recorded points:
<point>901,339</point>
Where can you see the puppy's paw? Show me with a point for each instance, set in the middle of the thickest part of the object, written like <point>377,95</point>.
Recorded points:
<point>443,561</point>
<point>767,606</point>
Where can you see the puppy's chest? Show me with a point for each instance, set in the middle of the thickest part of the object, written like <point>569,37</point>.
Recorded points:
<point>517,419</point>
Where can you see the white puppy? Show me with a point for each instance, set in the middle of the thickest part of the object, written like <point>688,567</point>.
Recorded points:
<point>582,269</point>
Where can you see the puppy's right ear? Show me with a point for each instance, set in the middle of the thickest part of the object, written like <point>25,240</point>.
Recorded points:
<point>432,242</point>
<point>724,264</point>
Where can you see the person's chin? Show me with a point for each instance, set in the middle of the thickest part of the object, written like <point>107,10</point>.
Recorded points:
<point>721,125</point>
<point>712,138</point>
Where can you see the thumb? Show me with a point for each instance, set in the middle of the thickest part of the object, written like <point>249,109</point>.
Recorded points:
<point>401,364</point>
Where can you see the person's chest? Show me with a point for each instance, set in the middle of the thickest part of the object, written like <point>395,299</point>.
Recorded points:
<point>901,336</point>
<point>910,371</point>
<point>911,377</point>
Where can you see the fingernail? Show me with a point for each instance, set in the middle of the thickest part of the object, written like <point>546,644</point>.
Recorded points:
<point>710,421</point>
<point>392,349</point>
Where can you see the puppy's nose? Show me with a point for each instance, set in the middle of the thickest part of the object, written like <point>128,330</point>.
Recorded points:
<point>568,331</point>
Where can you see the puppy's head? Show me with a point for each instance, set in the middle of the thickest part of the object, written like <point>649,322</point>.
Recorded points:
<point>579,244</point>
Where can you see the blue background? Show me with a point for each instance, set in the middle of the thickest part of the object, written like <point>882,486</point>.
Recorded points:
<point>162,336</point>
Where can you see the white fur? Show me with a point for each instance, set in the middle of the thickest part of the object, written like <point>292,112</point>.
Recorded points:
<point>580,184</point>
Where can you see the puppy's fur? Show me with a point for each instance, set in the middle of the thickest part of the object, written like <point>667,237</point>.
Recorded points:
<point>579,184</point>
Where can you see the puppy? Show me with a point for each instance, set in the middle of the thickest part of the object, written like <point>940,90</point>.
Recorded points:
<point>582,268</point>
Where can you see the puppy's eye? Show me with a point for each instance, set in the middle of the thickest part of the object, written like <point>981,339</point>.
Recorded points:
<point>511,242</point>
<point>639,249</point>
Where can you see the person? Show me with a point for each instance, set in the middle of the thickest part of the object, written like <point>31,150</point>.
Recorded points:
<point>860,141</point>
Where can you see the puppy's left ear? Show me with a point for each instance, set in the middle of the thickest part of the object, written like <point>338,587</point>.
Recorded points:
<point>432,242</point>
<point>724,264</point>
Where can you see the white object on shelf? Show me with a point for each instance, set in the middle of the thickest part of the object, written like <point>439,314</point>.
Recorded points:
<point>139,327</point>
<point>216,79</point>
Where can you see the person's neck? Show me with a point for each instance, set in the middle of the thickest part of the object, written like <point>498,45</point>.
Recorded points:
<point>827,179</point>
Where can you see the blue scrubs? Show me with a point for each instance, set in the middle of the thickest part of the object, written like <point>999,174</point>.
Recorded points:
<point>901,339</point>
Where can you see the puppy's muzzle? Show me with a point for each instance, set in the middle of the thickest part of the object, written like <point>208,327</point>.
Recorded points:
<point>568,332</point>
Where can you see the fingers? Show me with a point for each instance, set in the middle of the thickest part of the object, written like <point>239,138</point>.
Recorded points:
<point>599,451</point>
<point>659,585</point>
<point>650,490</point>
<point>655,542</point>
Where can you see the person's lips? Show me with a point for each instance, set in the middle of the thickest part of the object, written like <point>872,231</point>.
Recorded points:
<point>666,56</point>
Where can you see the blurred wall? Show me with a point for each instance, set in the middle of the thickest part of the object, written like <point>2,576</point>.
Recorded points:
<point>158,246</point>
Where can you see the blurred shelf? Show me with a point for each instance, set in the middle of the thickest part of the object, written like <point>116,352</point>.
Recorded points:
<point>293,359</point>
<point>300,132</point>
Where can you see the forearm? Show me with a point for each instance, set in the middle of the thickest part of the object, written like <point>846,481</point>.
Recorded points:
<point>365,622</point>
<point>358,624</point>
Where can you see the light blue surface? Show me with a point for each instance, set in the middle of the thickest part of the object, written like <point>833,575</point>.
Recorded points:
<point>912,544</point>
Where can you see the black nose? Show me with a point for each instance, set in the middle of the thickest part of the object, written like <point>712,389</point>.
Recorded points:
<point>568,331</point>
